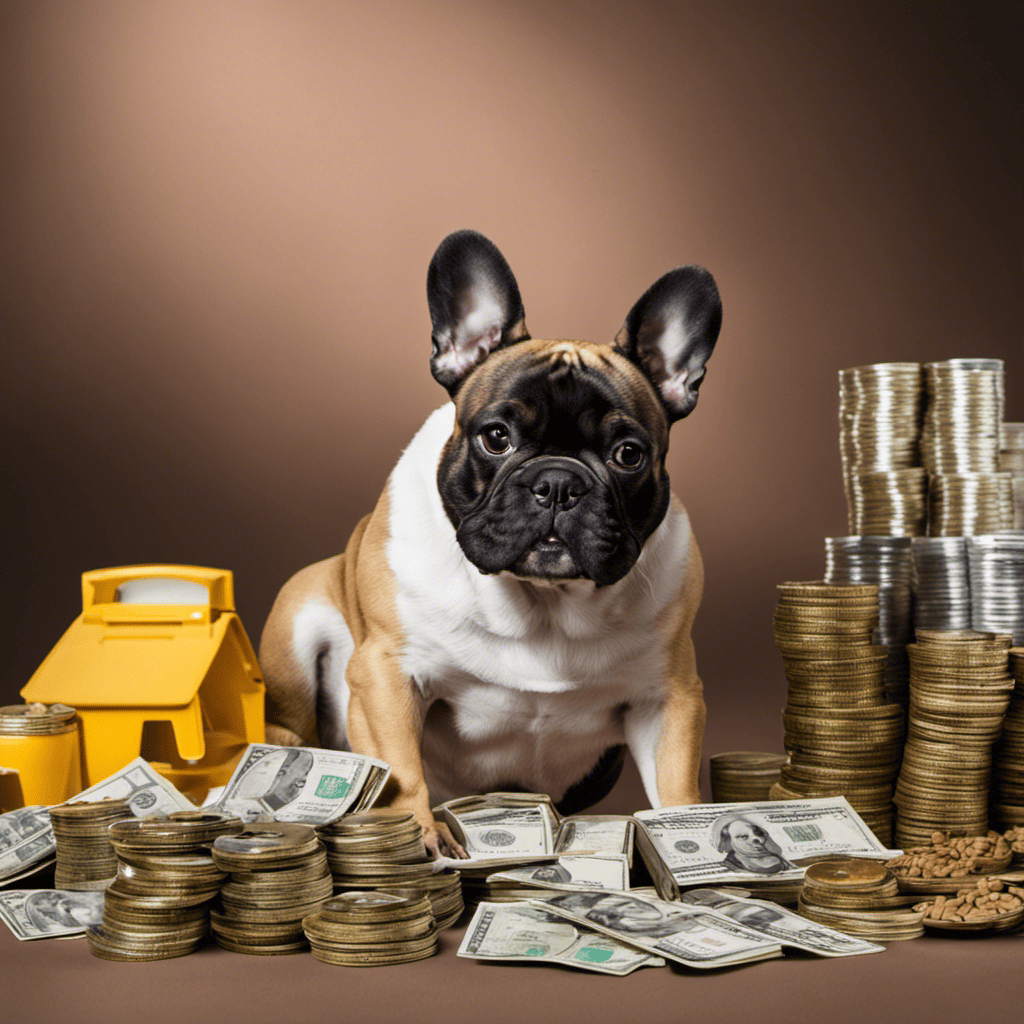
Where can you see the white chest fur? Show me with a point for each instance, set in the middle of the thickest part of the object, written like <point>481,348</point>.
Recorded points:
<point>527,682</point>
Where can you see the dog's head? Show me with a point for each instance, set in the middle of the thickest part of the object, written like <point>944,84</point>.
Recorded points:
<point>556,467</point>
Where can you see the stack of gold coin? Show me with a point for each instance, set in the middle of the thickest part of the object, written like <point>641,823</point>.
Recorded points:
<point>859,897</point>
<point>744,776</point>
<point>381,848</point>
<point>892,504</point>
<point>1011,460</point>
<point>37,720</point>
<point>961,505</point>
<point>279,874</point>
<point>1008,756</point>
<point>959,691</point>
<point>879,419</point>
<point>85,859</point>
<point>158,907</point>
<point>372,929</point>
<point>963,414</point>
<point>842,736</point>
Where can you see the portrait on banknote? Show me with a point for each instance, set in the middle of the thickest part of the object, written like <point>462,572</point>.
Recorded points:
<point>747,845</point>
<point>271,782</point>
<point>51,911</point>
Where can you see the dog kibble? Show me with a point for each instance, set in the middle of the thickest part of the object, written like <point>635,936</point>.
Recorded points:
<point>952,858</point>
<point>991,899</point>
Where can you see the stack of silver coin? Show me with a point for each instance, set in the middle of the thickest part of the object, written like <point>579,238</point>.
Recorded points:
<point>879,426</point>
<point>963,415</point>
<point>888,563</point>
<point>961,505</point>
<point>1011,460</point>
<point>997,583</point>
<point>942,585</point>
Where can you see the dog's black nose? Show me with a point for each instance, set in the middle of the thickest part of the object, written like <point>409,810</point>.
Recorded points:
<point>558,488</point>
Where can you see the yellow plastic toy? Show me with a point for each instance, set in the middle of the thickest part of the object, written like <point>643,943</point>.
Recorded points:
<point>158,665</point>
<point>40,754</point>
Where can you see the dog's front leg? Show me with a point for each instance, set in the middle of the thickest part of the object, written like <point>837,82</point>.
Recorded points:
<point>664,735</point>
<point>385,720</point>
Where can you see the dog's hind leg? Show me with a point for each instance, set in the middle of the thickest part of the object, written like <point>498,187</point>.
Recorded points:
<point>305,647</point>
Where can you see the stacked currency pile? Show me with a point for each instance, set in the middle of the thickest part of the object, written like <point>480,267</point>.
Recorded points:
<point>85,858</point>
<point>942,586</point>
<point>961,505</point>
<point>879,426</point>
<point>888,563</point>
<point>381,848</point>
<point>1008,757</point>
<point>842,735</point>
<point>742,776</point>
<point>959,692</point>
<point>279,874</point>
<point>158,907</point>
<point>1011,460</point>
<point>37,720</point>
<point>372,929</point>
<point>859,897</point>
<point>997,583</point>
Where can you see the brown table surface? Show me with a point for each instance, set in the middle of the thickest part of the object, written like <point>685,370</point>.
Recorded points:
<point>932,979</point>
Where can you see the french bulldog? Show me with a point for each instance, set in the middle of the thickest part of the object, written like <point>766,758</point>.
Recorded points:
<point>516,610</point>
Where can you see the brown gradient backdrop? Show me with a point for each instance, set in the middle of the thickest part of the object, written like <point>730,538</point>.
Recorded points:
<point>218,218</point>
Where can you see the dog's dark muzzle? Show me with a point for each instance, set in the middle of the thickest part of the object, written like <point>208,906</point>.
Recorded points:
<point>556,482</point>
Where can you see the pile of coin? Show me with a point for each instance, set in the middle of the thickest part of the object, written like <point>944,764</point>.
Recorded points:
<point>37,720</point>
<point>859,897</point>
<point>744,776</point>
<point>842,736</point>
<point>279,874</point>
<point>888,563</point>
<point>960,505</point>
<point>959,692</point>
<point>893,504</point>
<point>1008,755</point>
<point>372,929</point>
<point>961,430</point>
<point>158,907</point>
<point>879,417</point>
<point>85,859</point>
<point>1011,460</point>
<point>383,848</point>
<point>997,583</point>
<point>942,586</point>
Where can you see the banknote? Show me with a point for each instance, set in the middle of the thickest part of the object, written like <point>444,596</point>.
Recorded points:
<point>26,842</point>
<point>518,931</point>
<point>597,871</point>
<point>595,833</point>
<point>773,922</point>
<point>505,831</point>
<point>685,934</point>
<point>50,913</point>
<point>713,843</point>
<point>146,790</point>
<point>301,784</point>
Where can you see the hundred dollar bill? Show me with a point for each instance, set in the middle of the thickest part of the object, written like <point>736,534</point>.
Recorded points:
<point>599,871</point>
<point>304,784</point>
<point>712,843</point>
<point>688,935</point>
<point>518,931</point>
<point>502,831</point>
<point>26,842</point>
<point>50,913</point>
<point>146,790</point>
<point>595,833</point>
<point>784,927</point>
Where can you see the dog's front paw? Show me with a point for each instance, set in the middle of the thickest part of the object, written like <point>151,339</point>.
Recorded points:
<point>441,843</point>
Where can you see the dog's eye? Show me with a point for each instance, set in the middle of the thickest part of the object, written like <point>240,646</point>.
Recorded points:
<point>495,439</point>
<point>628,455</point>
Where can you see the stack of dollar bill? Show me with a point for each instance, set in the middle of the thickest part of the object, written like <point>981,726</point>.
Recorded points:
<point>279,874</point>
<point>158,907</point>
<point>842,735</point>
<point>942,587</point>
<point>959,691</point>
<point>1008,757</point>
<point>860,897</point>
<point>742,775</point>
<point>380,848</point>
<point>372,929</point>
<point>85,859</point>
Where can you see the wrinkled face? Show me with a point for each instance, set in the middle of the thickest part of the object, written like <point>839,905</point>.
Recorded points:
<point>555,470</point>
<point>746,838</point>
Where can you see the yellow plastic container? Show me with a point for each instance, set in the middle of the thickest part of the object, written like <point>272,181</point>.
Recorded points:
<point>158,665</point>
<point>49,769</point>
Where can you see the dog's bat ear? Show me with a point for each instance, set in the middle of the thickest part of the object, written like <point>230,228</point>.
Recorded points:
<point>475,306</point>
<point>670,334</point>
